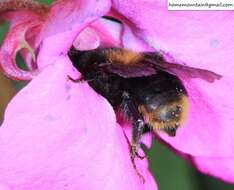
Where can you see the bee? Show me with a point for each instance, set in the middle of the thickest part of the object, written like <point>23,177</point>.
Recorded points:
<point>142,86</point>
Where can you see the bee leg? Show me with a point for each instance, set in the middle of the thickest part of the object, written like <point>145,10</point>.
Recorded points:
<point>138,128</point>
<point>139,156</point>
<point>78,80</point>
<point>137,133</point>
<point>133,160</point>
<point>130,108</point>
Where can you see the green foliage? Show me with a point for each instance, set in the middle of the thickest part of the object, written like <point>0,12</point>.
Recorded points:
<point>46,1</point>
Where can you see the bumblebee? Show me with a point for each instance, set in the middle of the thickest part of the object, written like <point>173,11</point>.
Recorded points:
<point>141,86</point>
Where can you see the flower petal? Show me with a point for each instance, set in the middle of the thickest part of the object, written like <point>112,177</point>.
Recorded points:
<point>195,38</point>
<point>15,41</point>
<point>62,135</point>
<point>25,17</point>
<point>87,39</point>
<point>102,32</point>
<point>222,168</point>
<point>108,31</point>
<point>62,27</point>
<point>131,41</point>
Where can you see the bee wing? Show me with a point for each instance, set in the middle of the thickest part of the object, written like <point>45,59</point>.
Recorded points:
<point>129,71</point>
<point>150,67</point>
<point>183,70</point>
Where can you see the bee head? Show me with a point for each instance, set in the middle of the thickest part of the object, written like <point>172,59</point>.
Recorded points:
<point>166,117</point>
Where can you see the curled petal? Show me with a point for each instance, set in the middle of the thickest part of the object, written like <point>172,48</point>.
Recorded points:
<point>29,56</point>
<point>108,31</point>
<point>15,41</point>
<point>24,26</point>
<point>20,17</point>
<point>102,32</point>
<point>87,39</point>
<point>81,148</point>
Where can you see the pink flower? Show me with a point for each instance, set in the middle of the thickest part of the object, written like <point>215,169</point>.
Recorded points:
<point>62,135</point>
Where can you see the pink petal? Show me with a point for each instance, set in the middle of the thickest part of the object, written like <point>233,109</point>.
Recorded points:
<point>222,168</point>
<point>54,137</point>
<point>131,41</point>
<point>62,27</point>
<point>25,23</point>
<point>196,38</point>
<point>102,32</point>
<point>24,26</point>
<point>87,39</point>
<point>108,31</point>
<point>15,41</point>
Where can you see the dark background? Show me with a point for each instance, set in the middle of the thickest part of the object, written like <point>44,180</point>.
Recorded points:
<point>170,171</point>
